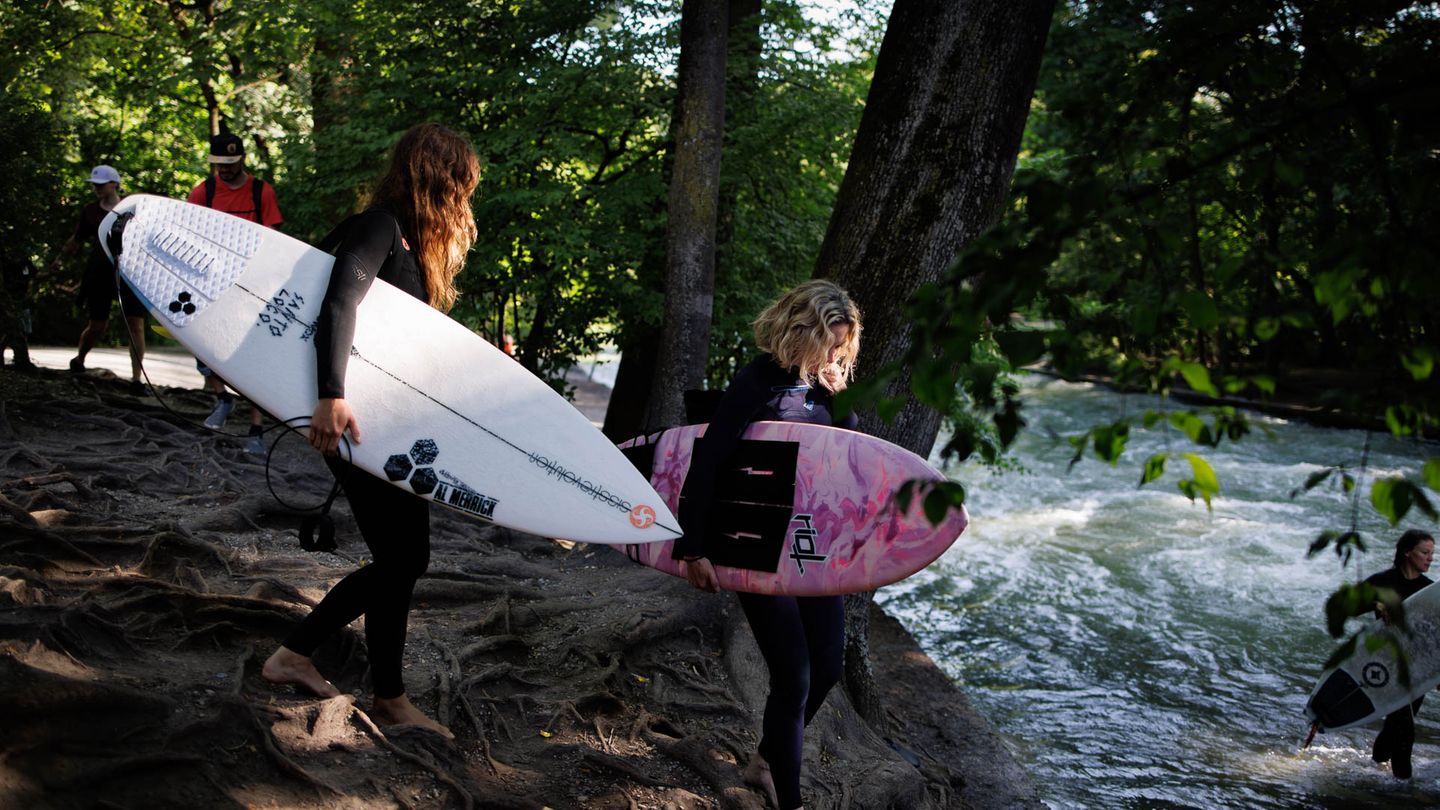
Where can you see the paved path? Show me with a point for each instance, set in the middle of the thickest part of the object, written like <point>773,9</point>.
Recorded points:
<point>165,366</point>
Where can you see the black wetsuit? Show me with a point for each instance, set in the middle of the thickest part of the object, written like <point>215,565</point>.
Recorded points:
<point>100,284</point>
<point>802,638</point>
<point>394,524</point>
<point>1397,736</point>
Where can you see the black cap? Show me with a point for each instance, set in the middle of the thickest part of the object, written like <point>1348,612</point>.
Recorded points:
<point>226,148</point>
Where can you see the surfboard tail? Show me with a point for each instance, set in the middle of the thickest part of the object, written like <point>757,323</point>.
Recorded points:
<point>1339,703</point>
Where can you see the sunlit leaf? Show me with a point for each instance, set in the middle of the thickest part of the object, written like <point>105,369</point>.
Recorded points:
<point>1110,441</point>
<point>1154,468</point>
<point>1419,361</point>
<point>1206,482</point>
<point>1391,497</point>
<point>1432,473</point>
<point>1198,378</point>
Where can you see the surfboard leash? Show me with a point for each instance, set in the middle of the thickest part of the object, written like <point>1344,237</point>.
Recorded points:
<point>317,529</point>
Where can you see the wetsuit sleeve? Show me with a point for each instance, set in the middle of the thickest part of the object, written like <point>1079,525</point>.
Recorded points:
<point>358,258</point>
<point>732,415</point>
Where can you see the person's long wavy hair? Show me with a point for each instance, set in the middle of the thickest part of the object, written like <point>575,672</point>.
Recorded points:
<point>795,330</point>
<point>433,171</point>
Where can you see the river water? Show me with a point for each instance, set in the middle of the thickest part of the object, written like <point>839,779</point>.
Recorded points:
<point>1136,650</point>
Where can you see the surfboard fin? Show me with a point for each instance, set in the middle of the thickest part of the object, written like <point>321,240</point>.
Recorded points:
<point>325,541</point>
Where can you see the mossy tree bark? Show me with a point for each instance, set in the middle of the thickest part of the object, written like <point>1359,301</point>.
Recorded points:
<point>929,172</point>
<point>639,354</point>
<point>694,200</point>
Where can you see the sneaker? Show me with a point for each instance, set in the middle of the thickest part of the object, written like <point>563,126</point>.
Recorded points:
<point>255,445</point>
<point>138,389</point>
<point>77,366</point>
<point>25,367</point>
<point>217,417</point>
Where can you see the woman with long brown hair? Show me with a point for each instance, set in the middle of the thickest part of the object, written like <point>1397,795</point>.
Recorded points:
<point>414,235</point>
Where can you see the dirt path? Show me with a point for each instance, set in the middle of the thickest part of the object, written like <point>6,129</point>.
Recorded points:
<point>145,572</point>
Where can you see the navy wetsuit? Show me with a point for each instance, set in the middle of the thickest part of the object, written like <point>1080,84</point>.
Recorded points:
<point>394,524</point>
<point>802,638</point>
<point>1397,736</point>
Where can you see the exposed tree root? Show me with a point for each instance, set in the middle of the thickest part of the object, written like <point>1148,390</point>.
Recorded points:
<point>135,615</point>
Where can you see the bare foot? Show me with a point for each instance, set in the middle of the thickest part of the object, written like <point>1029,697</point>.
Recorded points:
<point>287,666</point>
<point>399,711</point>
<point>757,775</point>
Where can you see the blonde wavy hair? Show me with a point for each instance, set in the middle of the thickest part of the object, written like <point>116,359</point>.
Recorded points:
<point>432,174</point>
<point>796,331</point>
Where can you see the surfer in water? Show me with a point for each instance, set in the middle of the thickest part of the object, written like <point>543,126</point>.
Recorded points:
<point>810,338</point>
<point>1413,553</point>
<point>415,235</point>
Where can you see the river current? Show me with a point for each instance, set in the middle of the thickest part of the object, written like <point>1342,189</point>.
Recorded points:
<point>1138,651</point>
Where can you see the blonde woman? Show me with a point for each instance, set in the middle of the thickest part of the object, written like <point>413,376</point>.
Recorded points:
<point>810,338</point>
<point>415,236</point>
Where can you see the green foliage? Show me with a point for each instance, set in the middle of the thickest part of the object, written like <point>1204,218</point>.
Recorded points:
<point>937,499</point>
<point>1393,497</point>
<point>1233,195</point>
<point>1221,192</point>
<point>1202,483</point>
<point>1346,544</point>
<point>568,103</point>
<point>1352,600</point>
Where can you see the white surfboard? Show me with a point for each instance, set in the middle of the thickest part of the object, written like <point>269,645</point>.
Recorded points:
<point>1366,686</point>
<point>442,412</point>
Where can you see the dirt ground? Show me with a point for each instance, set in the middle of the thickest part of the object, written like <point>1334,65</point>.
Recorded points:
<point>146,571</point>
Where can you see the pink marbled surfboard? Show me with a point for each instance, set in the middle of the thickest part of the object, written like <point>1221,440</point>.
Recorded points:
<point>814,505</point>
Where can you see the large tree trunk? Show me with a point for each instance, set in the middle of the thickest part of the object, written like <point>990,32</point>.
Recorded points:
<point>639,350</point>
<point>929,172</point>
<point>742,80</point>
<point>694,194</point>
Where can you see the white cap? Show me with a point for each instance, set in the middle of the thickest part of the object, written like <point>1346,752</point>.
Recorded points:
<point>104,174</point>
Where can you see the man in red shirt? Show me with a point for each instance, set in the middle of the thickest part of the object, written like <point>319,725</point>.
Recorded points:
<point>235,191</point>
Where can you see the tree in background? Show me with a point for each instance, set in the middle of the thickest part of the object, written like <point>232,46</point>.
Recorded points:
<point>1222,198</point>
<point>929,172</point>
<point>1224,195</point>
<point>690,223</point>
<point>568,102</point>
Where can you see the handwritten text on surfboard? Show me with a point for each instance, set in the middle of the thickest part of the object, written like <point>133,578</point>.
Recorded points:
<point>282,310</point>
<point>594,490</point>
